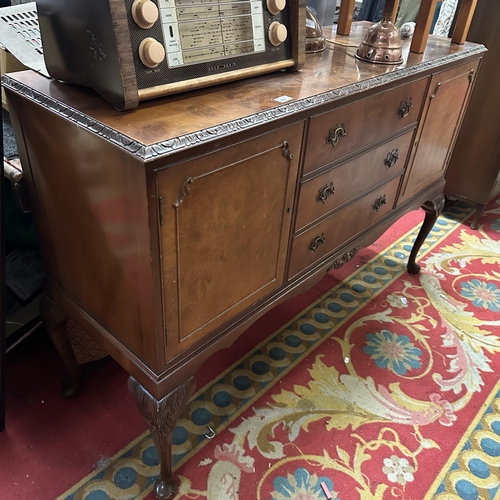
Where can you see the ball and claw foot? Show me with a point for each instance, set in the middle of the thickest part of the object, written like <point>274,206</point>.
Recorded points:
<point>161,416</point>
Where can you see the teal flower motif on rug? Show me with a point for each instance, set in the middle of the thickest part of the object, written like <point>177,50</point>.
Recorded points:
<point>392,351</point>
<point>482,294</point>
<point>495,225</point>
<point>302,486</point>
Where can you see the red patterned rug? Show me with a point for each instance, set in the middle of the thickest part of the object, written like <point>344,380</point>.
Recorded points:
<point>370,392</point>
<point>375,385</point>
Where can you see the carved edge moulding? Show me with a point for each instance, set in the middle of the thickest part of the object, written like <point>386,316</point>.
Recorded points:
<point>183,142</point>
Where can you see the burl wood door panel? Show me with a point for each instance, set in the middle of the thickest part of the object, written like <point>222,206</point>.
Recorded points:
<point>225,230</point>
<point>446,102</point>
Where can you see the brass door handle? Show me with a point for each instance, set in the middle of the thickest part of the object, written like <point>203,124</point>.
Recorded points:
<point>391,158</point>
<point>285,147</point>
<point>325,192</point>
<point>436,90</point>
<point>379,202</point>
<point>405,107</point>
<point>317,241</point>
<point>335,134</point>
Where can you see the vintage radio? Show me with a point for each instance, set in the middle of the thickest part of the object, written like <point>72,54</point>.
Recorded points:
<point>132,50</point>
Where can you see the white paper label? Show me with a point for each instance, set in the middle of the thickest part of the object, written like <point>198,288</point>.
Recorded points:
<point>283,98</point>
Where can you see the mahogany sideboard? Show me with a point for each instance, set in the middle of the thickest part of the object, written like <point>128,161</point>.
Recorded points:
<point>167,230</point>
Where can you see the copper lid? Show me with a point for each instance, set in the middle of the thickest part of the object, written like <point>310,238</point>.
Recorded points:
<point>382,43</point>
<point>315,40</point>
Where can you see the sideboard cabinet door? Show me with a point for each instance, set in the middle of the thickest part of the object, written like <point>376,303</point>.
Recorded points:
<point>445,104</point>
<point>225,225</point>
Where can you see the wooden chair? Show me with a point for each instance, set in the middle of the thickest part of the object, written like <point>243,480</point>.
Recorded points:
<point>463,19</point>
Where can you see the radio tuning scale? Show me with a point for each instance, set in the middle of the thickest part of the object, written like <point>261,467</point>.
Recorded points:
<point>133,50</point>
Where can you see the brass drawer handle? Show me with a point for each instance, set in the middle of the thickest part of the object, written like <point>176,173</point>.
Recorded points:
<point>317,241</point>
<point>335,134</point>
<point>325,192</point>
<point>379,202</point>
<point>391,158</point>
<point>405,107</point>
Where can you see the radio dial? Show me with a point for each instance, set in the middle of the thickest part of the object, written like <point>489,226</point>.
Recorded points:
<point>275,6</point>
<point>144,13</point>
<point>277,33</point>
<point>151,52</point>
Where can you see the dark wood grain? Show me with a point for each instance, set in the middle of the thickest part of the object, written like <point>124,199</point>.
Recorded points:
<point>298,25</point>
<point>127,71</point>
<point>474,167</point>
<point>392,13</point>
<point>55,320</point>
<point>92,214</point>
<point>433,209</point>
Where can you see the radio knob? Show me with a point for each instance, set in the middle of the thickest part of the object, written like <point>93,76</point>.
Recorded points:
<point>275,6</point>
<point>277,33</point>
<point>144,13</point>
<point>151,52</point>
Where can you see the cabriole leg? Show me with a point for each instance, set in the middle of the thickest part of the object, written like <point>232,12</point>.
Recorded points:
<point>161,417</point>
<point>433,209</point>
<point>478,214</point>
<point>55,321</point>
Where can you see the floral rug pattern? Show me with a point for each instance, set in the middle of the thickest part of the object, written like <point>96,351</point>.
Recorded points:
<point>385,388</point>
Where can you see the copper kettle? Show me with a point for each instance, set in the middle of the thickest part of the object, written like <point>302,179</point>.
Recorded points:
<point>382,43</point>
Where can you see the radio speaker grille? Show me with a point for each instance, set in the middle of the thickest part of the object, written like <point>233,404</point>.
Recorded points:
<point>20,35</point>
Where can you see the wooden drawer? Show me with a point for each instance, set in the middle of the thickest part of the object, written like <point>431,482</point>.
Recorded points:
<point>324,193</point>
<point>363,121</point>
<point>329,234</point>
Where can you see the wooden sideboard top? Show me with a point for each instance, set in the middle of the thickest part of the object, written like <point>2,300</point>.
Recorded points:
<point>163,126</point>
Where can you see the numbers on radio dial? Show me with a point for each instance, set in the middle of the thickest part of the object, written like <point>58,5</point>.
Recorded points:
<point>144,13</point>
